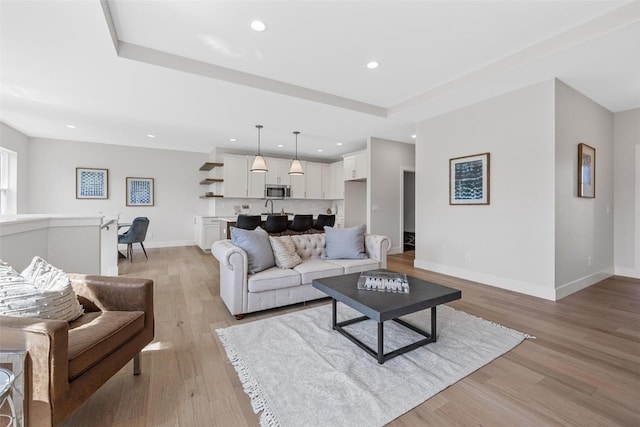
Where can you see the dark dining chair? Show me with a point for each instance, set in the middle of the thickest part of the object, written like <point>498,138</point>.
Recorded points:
<point>135,234</point>
<point>328,220</point>
<point>248,222</point>
<point>276,224</point>
<point>301,223</point>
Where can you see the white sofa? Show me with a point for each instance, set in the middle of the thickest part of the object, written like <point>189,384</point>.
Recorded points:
<point>275,287</point>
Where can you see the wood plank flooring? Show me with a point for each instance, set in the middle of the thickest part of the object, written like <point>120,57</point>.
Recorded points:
<point>583,368</point>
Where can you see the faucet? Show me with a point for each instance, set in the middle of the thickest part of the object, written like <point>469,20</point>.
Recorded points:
<point>267,202</point>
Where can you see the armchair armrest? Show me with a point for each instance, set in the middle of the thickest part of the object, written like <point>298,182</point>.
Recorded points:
<point>46,342</point>
<point>106,293</point>
<point>233,275</point>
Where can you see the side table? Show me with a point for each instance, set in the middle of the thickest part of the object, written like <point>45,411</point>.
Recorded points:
<point>12,370</point>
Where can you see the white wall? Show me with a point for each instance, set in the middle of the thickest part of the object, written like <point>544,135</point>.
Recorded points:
<point>387,162</point>
<point>355,203</point>
<point>17,142</point>
<point>509,243</point>
<point>52,168</point>
<point>626,176</point>
<point>584,226</point>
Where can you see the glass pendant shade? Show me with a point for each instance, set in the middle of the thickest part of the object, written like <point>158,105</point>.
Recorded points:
<point>259,165</point>
<point>296,166</point>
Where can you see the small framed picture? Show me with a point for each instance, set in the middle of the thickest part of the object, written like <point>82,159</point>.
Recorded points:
<point>92,183</point>
<point>139,191</point>
<point>469,180</point>
<point>586,171</point>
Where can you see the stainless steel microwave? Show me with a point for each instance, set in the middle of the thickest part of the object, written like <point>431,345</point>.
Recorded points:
<point>273,191</point>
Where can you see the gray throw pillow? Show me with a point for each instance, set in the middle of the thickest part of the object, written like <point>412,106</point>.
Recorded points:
<point>345,243</point>
<point>256,244</point>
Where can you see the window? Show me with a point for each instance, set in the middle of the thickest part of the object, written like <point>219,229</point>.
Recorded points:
<point>8,181</point>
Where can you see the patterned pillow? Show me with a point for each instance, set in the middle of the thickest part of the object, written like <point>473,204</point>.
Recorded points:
<point>284,251</point>
<point>42,291</point>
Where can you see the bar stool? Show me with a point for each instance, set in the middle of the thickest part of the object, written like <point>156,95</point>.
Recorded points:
<point>6,386</point>
<point>301,223</point>
<point>328,220</point>
<point>248,222</point>
<point>276,224</point>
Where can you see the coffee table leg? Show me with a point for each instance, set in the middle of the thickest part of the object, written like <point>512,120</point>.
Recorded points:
<point>381,342</point>
<point>334,310</point>
<point>433,324</point>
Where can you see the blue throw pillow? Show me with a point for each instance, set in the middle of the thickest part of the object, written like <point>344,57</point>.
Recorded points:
<point>256,244</point>
<point>344,243</point>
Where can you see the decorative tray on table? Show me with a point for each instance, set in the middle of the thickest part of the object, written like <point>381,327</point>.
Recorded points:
<point>384,281</point>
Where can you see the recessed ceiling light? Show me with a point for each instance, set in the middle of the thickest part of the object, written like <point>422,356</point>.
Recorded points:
<point>150,135</point>
<point>413,136</point>
<point>71,126</point>
<point>320,150</point>
<point>280,145</point>
<point>232,139</point>
<point>338,143</point>
<point>258,26</point>
<point>372,65</point>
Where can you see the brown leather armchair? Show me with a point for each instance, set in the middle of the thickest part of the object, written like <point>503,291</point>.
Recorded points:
<point>68,361</point>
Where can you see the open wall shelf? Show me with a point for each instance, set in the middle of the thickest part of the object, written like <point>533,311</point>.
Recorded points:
<point>208,181</point>
<point>210,165</point>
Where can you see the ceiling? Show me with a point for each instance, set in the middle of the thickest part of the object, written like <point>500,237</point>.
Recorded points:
<point>195,75</point>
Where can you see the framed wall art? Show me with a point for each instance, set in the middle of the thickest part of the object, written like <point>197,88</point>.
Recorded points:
<point>586,171</point>
<point>139,191</point>
<point>92,183</point>
<point>469,180</point>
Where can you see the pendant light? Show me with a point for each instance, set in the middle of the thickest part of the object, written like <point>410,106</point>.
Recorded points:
<point>259,164</point>
<point>296,166</point>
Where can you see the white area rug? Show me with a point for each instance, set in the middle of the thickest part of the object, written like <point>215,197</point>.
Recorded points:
<point>300,372</point>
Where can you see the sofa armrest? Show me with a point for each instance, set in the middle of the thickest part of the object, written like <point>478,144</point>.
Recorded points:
<point>233,275</point>
<point>376,246</point>
<point>46,342</point>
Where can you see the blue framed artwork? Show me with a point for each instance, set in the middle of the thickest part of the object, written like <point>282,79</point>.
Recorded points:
<point>92,183</point>
<point>139,191</point>
<point>469,180</point>
<point>586,171</point>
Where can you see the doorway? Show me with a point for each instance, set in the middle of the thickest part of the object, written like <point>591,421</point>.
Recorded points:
<point>409,210</point>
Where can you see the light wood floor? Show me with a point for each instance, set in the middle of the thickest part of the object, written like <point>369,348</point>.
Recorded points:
<point>583,368</point>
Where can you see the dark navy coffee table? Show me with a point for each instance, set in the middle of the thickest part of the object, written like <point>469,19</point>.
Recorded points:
<point>383,306</point>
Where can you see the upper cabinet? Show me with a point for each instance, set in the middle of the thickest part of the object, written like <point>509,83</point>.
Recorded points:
<point>355,166</point>
<point>278,171</point>
<point>313,180</point>
<point>235,176</point>
<point>337,181</point>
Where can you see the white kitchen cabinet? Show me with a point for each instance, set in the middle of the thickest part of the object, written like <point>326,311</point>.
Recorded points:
<point>298,184</point>
<point>206,231</point>
<point>327,181</point>
<point>337,180</point>
<point>278,171</point>
<point>256,184</point>
<point>235,176</point>
<point>355,166</point>
<point>313,180</point>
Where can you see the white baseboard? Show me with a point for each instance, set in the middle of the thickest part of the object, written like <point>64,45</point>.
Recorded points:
<point>396,250</point>
<point>584,282</point>
<point>627,272</point>
<point>170,244</point>
<point>491,280</point>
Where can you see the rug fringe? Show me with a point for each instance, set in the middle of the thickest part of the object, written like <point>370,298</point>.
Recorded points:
<point>526,336</point>
<point>249,384</point>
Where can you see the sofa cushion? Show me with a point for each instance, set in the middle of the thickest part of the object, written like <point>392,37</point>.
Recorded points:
<point>356,265</point>
<point>96,335</point>
<point>309,245</point>
<point>273,278</point>
<point>256,244</point>
<point>313,268</point>
<point>284,252</point>
<point>345,243</point>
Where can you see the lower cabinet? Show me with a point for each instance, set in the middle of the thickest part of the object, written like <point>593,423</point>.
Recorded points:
<point>206,231</point>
